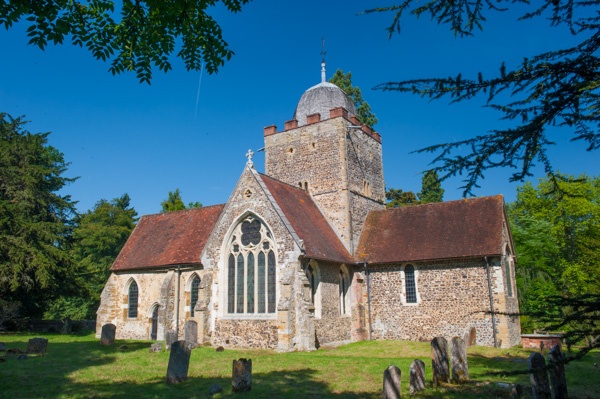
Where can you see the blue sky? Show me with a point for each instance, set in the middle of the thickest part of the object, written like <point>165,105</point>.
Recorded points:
<point>191,130</point>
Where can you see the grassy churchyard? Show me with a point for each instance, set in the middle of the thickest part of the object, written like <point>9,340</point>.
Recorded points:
<point>77,366</point>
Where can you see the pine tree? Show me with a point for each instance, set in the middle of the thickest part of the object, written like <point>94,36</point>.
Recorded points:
<point>431,188</point>
<point>363,109</point>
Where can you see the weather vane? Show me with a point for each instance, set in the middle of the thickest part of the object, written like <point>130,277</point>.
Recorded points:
<point>323,53</point>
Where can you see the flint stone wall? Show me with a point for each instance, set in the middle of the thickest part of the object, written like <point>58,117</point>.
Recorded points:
<point>246,334</point>
<point>332,326</point>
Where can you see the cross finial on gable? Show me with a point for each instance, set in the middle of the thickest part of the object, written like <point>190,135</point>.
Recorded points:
<point>249,155</point>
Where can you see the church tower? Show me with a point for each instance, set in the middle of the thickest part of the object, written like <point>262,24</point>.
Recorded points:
<point>326,150</point>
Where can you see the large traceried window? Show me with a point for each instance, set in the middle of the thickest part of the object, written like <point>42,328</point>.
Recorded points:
<point>132,300</point>
<point>251,269</point>
<point>410,286</point>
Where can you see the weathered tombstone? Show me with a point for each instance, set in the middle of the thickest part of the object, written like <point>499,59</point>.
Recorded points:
<point>417,376</point>
<point>516,392</point>
<point>460,367</point>
<point>67,327</point>
<point>107,337</point>
<point>241,379</point>
<point>37,345</point>
<point>538,376</point>
<point>391,382</point>
<point>2,346</point>
<point>558,381</point>
<point>472,337</point>
<point>156,347</point>
<point>190,333</point>
<point>170,338</point>
<point>179,362</point>
<point>439,360</point>
<point>215,389</point>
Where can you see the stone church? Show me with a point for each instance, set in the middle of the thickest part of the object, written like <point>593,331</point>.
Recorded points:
<point>306,254</point>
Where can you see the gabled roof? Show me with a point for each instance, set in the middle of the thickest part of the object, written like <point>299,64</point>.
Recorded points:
<point>445,230</point>
<point>320,241</point>
<point>173,238</point>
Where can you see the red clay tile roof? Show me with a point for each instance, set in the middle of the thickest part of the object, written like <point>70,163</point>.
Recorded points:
<point>320,241</point>
<point>172,238</point>
<point>445,230</point>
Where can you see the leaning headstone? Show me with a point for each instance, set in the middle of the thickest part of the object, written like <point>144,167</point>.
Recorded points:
<point>538,377</point>
<point>439,360</point>
<point>558,380</point>
<point>417,376</point>
<point>37,345</point>
<point>241,379</point>
<point>107,337</point>
<point>179,362</point>
<point>170,338</point>
<point>156,347</point>
<point>391,382</point>
<point>460,367</point>
<point>190,333</point>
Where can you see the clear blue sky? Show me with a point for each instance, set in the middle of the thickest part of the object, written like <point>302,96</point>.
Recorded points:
<point>190,130</point>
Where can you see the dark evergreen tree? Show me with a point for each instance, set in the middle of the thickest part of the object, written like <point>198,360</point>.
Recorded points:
<point>558,87</point>
<point>431,188</point>
<point>35,220</point>
<point>174,202</point>
<point>397,198</point>
<point>363,109</point>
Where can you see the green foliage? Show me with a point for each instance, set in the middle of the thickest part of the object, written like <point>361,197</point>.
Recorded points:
<point>363,109</point>
<point>133,35</point>
<point>35,221</point>
<point>9,310</point>
<point>98,237</point>
<point>397,198</point>
<point>431,188</point>
<point>174,202</point>
<point>555,88</point>
<point>556,230</point>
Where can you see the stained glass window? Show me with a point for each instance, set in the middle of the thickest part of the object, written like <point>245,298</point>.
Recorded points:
<point>132,310</point>
<point>409,284</point>
<point>251,277</point>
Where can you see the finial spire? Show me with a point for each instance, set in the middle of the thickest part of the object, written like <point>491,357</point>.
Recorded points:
<point>323,54</point>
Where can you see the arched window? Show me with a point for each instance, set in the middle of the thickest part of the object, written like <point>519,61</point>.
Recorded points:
<point>314,279</point>
<point>344,285</point>
<point>410,286</point>
<point>132,303</point>
<point>195,286</point>
<point>251,265</point>
<point>507,272</point>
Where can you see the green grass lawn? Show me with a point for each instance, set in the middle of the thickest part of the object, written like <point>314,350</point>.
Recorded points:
<point>77,366</point>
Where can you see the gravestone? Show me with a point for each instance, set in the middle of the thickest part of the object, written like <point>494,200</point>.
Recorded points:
<point>516,392</point>
<point>472,337</point>
<point>417,376</point>
<point>439,360</point>
<point>538,377</point>
<point>391,382</point>
<point>215,389</point>
<point>170,338</point>
<point>460,367</point>
<point>2,346</point>
<point>241,379</point>
<point>156,347</point>
<point>190,333</point>
<point>558,381</point>
<point>107,337</point>
<point>179,362</point>
<point>37,345</point>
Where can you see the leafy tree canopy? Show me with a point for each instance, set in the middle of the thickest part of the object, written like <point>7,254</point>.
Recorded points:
<point>133,35</point>
<point>35,220</point>
<point>556,230</point>
<point>363,109</point>
<point>175,203</point>
<point>431,191</point>
<point>558,87</point>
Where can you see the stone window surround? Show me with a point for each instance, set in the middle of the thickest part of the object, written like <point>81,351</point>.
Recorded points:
<point>508,266</point>
<point>317,278</point>
<point>222,309</point>
<point>403,283</point>
<point>126,291</point>
<point>188,294</point>
<point>344,296</point>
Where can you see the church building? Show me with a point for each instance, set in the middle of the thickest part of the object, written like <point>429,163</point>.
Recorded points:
<point>306,254</point>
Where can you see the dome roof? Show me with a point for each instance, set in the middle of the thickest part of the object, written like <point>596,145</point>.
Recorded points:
<point>321,99</point>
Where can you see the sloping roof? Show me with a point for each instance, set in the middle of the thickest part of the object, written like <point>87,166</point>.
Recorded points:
<point>445,230</point>
<point>320,241</point>
<point>172,238</point>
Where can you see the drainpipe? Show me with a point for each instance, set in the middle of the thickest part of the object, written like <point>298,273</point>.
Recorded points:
<point>178,300</point>
<point>368,296</point>
<point>489,279</point>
